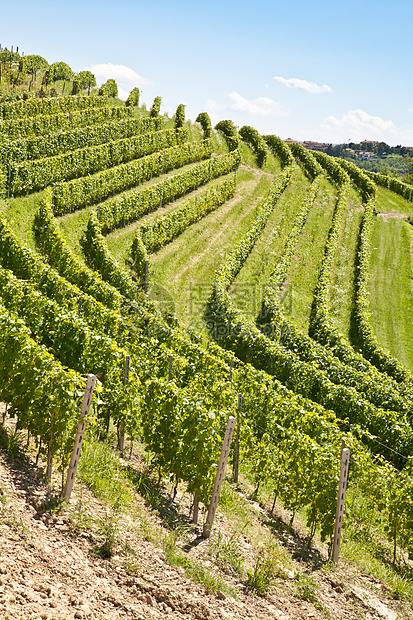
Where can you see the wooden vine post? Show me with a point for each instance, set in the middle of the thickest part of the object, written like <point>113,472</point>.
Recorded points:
<point>195,509</point>
<point>121,444</point>
<point>146,276</point>
<point>49,452</point>
<point>74,461</point>
<point>342,488</point>
<point>219,478</point>
<point>236,456</point>
<point>8,183</point>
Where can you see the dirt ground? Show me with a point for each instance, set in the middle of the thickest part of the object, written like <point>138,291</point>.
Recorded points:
<point>50,571</point>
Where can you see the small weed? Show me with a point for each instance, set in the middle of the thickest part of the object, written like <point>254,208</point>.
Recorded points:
<point>306,588</point>
<point>228,498</point>
<point>175,533</point>
<point>147,529</point>
<point>269,564</point>
<point>226,553</point>
<point>81,519</point>
<point>18,525</point>
<point>261,576</point>
<point>198,573</point>
<point>14,446</point>
<point>53,505</point>
<point>132,566</point>
<point>108,531</point>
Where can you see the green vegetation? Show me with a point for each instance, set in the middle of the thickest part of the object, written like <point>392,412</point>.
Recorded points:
<point>188,232</point>
<point>391,286</point>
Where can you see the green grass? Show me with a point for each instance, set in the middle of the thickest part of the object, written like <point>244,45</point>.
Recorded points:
<point>342,283</point>
<point>303,274</point>
<point>185,268</point>
<point>253,276</point>
<point>73,226</point>
<point>387,201</point>
<point>391,290</point>
<point>100,469</point>
<point>20,214</point>
<point>120,240</point>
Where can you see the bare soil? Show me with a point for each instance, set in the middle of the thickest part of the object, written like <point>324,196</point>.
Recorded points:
<point>50,568</point>
<point>395,215</point>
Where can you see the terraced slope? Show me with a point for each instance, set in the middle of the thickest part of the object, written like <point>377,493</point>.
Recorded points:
<point>98,269</point>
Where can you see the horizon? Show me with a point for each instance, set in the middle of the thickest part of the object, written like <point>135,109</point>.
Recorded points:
<point>333,74</point>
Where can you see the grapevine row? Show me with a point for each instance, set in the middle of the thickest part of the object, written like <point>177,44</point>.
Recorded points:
<point>393,184</point>
<point>373,386</point>
<point>17,128</point>
<point>279,149</point>
<point>50,145</point>
<point>39,389</point>
<point>64,333</point>
<point>285,441</point>
<point>155,234</point>
<point>230,133</point>
<point>27,265</point>
<point>134,204</point>
<point>52,244</point>
<point>91,189</point>
<point>257,143</point>
<point>52,105</point>
<point>35,175</point>
<point>367,341</point>
<point>377,388</point>
<point>235,332</point>
<point>306,159</point>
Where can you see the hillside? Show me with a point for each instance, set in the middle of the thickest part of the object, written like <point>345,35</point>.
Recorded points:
<point>201,273</point>
<point>54,565</point>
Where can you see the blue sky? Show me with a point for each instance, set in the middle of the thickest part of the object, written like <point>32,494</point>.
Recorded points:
<point>331,71</point>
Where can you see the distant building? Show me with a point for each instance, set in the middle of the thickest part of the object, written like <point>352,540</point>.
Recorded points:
<point>364,155</point>
<point>316,146</point>
<point>372,142</point>
<point>308,144</point>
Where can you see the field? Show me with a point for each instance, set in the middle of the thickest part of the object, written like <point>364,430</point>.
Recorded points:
<point>201,273</point>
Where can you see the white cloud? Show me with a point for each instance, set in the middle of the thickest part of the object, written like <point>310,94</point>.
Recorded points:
<point>310,87</point>
<point>261,106</point>
<point>358,125</point>
<point>125,77</point>
<point>214,106</point>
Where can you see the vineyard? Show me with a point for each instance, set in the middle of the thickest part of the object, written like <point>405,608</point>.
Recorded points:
<point>202,273</point>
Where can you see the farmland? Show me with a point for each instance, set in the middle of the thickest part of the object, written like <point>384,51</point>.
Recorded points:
<point>220,264</point>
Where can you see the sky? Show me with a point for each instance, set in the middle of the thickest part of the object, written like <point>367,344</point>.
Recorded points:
<point>325,70</point>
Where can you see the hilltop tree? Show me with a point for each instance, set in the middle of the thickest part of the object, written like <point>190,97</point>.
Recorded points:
<point>179,116</point>
<point>109,89</point>
<point>8,57</point>
<point>83,80</point>
<point>156,106</point>
<point>204,119</point>
<point>60,71</point>
<point>133,99</point>
<point>381,148</point>
<point>33,63</point>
